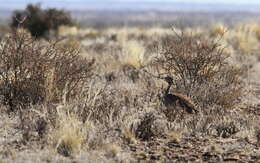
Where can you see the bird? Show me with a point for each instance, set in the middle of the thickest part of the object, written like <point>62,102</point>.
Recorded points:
<point>174,100</point>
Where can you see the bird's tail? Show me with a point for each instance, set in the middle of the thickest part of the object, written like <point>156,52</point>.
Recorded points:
<point>187,103</point>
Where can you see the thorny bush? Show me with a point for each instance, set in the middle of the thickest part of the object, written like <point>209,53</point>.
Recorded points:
<point>200,69</point>
<point>33,72</point>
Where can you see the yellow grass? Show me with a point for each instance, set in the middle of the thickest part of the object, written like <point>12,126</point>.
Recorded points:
<point>218,30</point>
<point>70,133</point>
<point>67,31</point>
<point>245,37</point>
<point>133,53</point>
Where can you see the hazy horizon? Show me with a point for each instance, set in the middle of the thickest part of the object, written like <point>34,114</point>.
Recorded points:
<point>135,4</point>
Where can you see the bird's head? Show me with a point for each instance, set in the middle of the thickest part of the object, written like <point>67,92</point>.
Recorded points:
<point>169,80</point>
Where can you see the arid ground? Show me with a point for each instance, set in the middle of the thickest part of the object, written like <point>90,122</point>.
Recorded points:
<point>97,95</point>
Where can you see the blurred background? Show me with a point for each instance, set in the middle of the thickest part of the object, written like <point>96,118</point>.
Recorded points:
<point>102,13</point>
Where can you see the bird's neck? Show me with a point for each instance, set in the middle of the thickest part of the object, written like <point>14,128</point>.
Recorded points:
<point>168,89</point>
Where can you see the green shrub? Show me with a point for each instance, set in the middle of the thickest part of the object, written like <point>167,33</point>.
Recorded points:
<point>39,21</point>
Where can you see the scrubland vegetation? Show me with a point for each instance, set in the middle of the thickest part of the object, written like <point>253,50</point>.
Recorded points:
<point>95,95</point>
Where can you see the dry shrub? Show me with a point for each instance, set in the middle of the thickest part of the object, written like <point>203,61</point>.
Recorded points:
<point>144,129</point>
<point>144,125</point>
<point>201,70</point>
<point>227,129</point>
<point>34,123</point>
<point>100,105</point>
<point>33,72</point>
<point>257,134</point>
<point>131,72</point>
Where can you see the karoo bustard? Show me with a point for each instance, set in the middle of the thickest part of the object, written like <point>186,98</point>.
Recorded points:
<point>171,101</point>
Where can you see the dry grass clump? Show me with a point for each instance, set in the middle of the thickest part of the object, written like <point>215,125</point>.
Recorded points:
<point>200,70</point>
<point>65,31</point>
<point>218,30</point>
<point>133,53</point>
<point>112,150</point>
<point>174,136</point>
<point>157,31</point>
<point>244,38</point>
<point>257,31</point>
<point>92,34</point>
<point>98,105</point>
<point>70,133</point>
<point>69,44</point>
<point>128,135</point>
<point>33,72</point>
<point>191,30</point>
<point>127,33</point>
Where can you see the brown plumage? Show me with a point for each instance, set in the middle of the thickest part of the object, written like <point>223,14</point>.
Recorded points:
<point>171,101</point>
